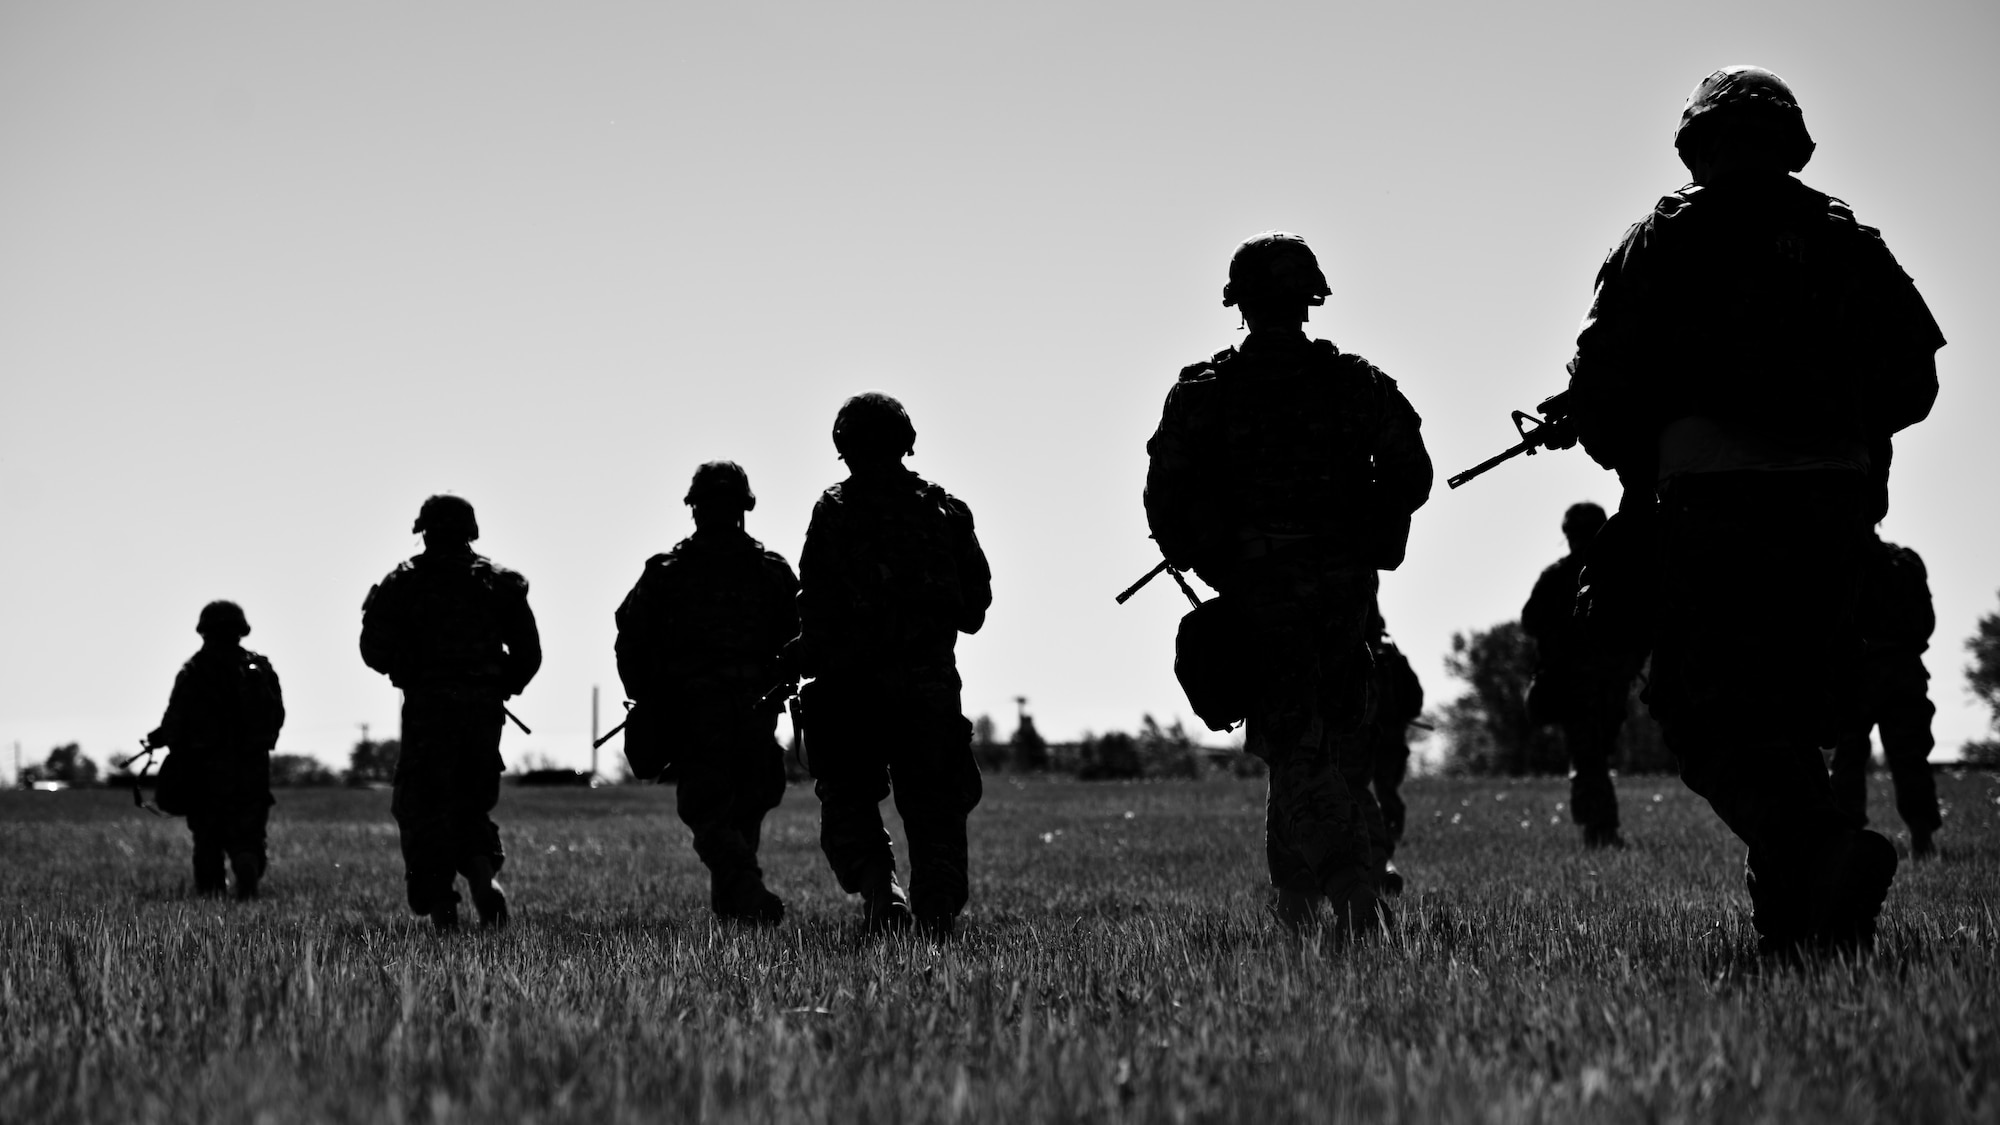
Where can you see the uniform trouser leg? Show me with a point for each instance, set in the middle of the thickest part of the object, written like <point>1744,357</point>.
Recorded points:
<point>1356,758</point>
<point>1592,740</point>
<point>1852,755</point>
<point>937,784</point>
<point>732,775</point>
<point>1392,765</point>
<point>246,843</point>
<point>1779,801</point>
<point>1906,747</point>
<point>447,784</point>
<point>207,827</point>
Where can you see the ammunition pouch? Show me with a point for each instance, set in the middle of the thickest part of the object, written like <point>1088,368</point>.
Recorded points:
<point>648,749</point>
<point>1212,661</point>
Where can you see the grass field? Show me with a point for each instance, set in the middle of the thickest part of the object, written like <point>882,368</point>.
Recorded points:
<point>1115,966</point>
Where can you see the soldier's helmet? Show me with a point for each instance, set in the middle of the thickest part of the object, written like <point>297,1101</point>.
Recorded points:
<point>1275,265</point>
<point>873,423</point>
<point>1583,520</point>
<point>447,515</point>
<point>222,618</point>
<point>721,483</point>
<point>1749,98</point>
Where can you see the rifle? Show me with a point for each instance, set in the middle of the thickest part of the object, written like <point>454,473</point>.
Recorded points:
<point>1170,568</point>
<point>516,718</point>
<point>608,735</point>
<point>147,750</point>
<point>1553,430</point>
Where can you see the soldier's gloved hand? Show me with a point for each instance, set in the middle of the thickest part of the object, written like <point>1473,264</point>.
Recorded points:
<point>1557,433</point>
<point>157,739</point>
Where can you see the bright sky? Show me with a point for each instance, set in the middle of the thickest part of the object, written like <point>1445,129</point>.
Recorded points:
<point>270,274</point>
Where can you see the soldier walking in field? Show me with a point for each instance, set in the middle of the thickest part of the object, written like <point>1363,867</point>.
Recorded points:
<point>1896,622</point>
<point>890,575</point>
<point>221,722</point>
<point>1399,701</point>
<point>699,639</point>
<point>1748,355</point>
<point>453,630</point>
<point>1284,473</point>
<point>1577,686</point>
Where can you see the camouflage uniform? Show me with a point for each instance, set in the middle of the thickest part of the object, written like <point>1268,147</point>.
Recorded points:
<point>698,640</point>
<point>891,573</point>
<point>1283,472</point>
<point>222,720</point>
<point>453,630</point>
<point>1896,623</point>
<point>1576,688</point>
<point>1749,352</point>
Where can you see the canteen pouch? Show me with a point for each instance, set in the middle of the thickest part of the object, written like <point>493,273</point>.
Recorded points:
<point>1211,660</point>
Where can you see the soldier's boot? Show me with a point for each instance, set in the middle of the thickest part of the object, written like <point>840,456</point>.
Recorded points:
<point>1596,836</point>
<point>488,897</point>
<point>1391,881</point>
<point>743,897</point>
<point>1359,914</point>
<point>444,919</point>
<point>1922,846</point>
<point>249,869</point>
<point>1296,911</point>
<point>1849,884</point>
<point>885,909</point>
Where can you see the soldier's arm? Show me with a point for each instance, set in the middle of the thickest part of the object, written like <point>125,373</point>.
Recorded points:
<point>277,692</point>
<point>820,601</point>
<point>1608,371</point>
<point>975,576</point>
<point>635,645</point>
<point>382,629</point>
<point>1544,602</point>
<point>522,638</point>
<point>179,705</point>
<point>1906,338</point>
<point>1182,510</point>
<point>784,601</point>
<point>1403,472</point>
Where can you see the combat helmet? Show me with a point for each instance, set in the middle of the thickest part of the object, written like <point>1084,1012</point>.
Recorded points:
<point>1747,97</point>
<point>873,423</point>
<point>222,618</point>
<point>1583,519</point>
<point>721,483</point>
<point>451,515</point>
<point>1274,264</point>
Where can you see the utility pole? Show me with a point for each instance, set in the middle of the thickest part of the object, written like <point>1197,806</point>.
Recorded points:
<point>593,733</point>
<point>17,763</point>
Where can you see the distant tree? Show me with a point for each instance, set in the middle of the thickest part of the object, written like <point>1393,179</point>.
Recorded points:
<point>987,749</point>
<point>1031,751</point>
<point>301,771</point>
<point>1983,675</point>
<point>373,761</point>
<point>1488,729</point>
<point>1107,757</point>
<point>1169,752</point>
<point>66,763</point>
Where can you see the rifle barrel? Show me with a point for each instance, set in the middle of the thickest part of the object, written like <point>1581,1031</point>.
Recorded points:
<point>516,718</point>
<point>608,735</point>
<point>1141,583</point>
<point>1526,445</point>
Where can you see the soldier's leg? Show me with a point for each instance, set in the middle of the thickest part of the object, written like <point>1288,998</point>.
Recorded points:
<point>205,825</point>
<point>1906,747</point>
<point>476,851</point>
<point>1355,754</point>
<point>1592,738</point>
<point>1849,772</point>
<point>248,822</point>
<point>1392,765</point>
<point>423,807</point>
<point>937,785</point>
<point>723,812</point>
<point>846,730</point>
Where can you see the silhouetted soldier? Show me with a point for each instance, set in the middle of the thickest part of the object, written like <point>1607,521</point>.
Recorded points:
<point>698,643</point>
<point>1583,689</point>
<point>454,631</point>
<point>1284,473</point>
<point>890,575</point>
<point>1399,701</point>
<point>221,722</point>
<point>1749,352</point>
<point>1896,624</point>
